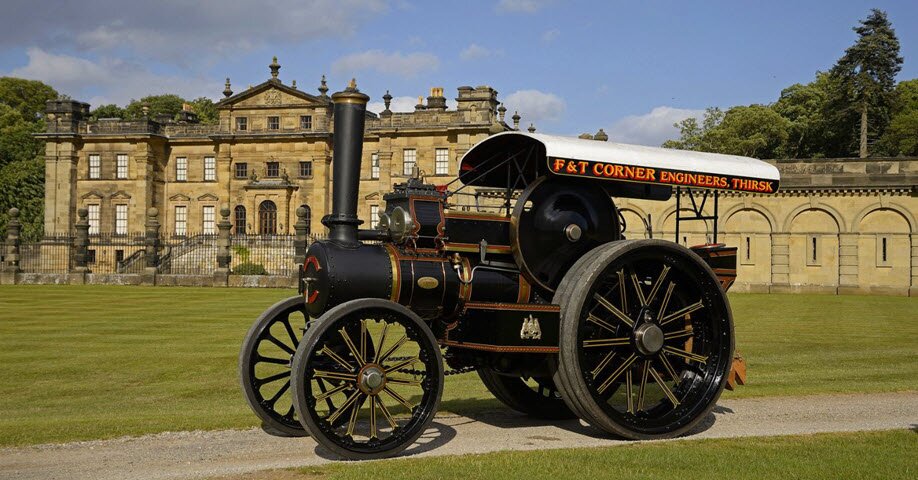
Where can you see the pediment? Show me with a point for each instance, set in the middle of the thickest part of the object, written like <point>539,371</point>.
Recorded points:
<point>208,197</point>
<point>372,196</point>
<point>178,197</point>
<point>92,194</point>
<point>270,94</point>
<point>121,195</point>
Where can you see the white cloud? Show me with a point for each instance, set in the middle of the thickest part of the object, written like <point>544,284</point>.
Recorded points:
<point>475,51</point>
<point>521,6</point>
<point>535,105</point>
<point>396,63</point>
<point>108,80</point>
<point>652,128</point>
<point>550,35</point>
<point>180,32</point>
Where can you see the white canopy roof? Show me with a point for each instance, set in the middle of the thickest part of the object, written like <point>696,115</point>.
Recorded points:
<point>672,161</point>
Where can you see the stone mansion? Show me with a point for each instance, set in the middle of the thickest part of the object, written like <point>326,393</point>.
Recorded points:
<point>837,225</point>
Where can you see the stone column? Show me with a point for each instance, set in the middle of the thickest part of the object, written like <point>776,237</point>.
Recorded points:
<point>847,263</point>
<point>913,289</point>
<point>221,274</point>
<point>10,267</point>
<point>80,249</point>
<point>302,239</point>
<point>780,262</point>
<point>151,247</point>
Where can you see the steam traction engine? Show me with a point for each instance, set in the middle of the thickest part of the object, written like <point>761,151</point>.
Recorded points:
<point>560,315</point>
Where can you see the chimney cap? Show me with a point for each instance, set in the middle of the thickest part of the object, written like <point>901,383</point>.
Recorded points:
<point>350,94</point>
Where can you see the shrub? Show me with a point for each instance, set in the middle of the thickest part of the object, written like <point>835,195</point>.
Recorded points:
<point>250,269</point>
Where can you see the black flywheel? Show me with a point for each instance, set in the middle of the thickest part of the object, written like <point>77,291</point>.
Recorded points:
<point>367,379</point>
<point>646,339</point>
<point>555,222</point>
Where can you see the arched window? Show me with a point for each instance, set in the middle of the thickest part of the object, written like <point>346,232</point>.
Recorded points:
<point>267,218</point>
<point>308,218</point>
<point>240,220</point>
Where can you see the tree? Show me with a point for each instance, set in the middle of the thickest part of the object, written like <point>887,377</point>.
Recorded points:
<point>28,97</point>
<point>16,140</point>
<point>804,106</point>
<point>107,111</point>
<point>206,110</point>
<point>866,74</point>
<point>901,136</point>
<point>168,104</point>
<point>752,131</point>
<point>691,135</point>
<point>22,185</point>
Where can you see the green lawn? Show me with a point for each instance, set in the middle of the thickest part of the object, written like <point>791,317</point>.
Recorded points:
<point>103,361</point>
<point>868,455</point>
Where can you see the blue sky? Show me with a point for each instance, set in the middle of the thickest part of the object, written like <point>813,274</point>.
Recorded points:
<point>632,68</point>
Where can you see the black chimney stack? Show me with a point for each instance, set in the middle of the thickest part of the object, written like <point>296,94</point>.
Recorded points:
<point>350,117</point>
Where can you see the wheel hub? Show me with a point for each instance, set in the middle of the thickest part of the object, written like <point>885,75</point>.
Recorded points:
<point>371,379</point>
<point>648,338</point>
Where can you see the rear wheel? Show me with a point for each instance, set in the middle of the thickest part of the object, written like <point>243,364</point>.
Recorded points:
<point>646,339</point>
<point>537,397</point>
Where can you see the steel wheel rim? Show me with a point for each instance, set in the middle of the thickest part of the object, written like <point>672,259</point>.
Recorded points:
<point>270,361</point>
<point>358,416</point>
<point>672,385</point>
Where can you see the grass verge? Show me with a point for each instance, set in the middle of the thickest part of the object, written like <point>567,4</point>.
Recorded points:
<point>104,361</point>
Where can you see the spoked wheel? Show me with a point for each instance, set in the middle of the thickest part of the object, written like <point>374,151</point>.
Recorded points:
<point>537,397</point>
<point>646,339</point>
<point>367,379</point>
<point>264,365</point>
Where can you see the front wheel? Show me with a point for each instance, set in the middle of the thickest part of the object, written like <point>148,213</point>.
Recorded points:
<point>367,379</point>
<point>646,339</point>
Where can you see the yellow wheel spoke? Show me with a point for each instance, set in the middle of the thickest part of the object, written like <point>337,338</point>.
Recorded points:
<point>373,418</point>
<point>669,367</point>
<point>680,334</point>
<point>602,323</point>
<point>628,391</point>
<point>613,310</point>
<point>643,388</point>
<point>351,347</point>
<point>382,340</point>
<point>618,371</point>
<point>637,287</point>
<point>334,356</point>
<point>605,361</point>
<point>666,297</point>
<point>666,391</point>
<point>402,364</point>
<point>682,312</point>
<point>398,398</point>
<point>350,377</point>
<point>352,422</point>
<point>606,342</point>
<point>363,339</point>
<point>331,392</point>
<point>692,357</point>
<point>623,291</point>
<point>385,412</point>
<point>392,349</point>
<point>404,381</point>
<point>344,406</point>
<point>658,284</point>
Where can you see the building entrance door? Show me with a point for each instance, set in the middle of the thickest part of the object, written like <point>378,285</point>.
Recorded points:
<point>267,218</point>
